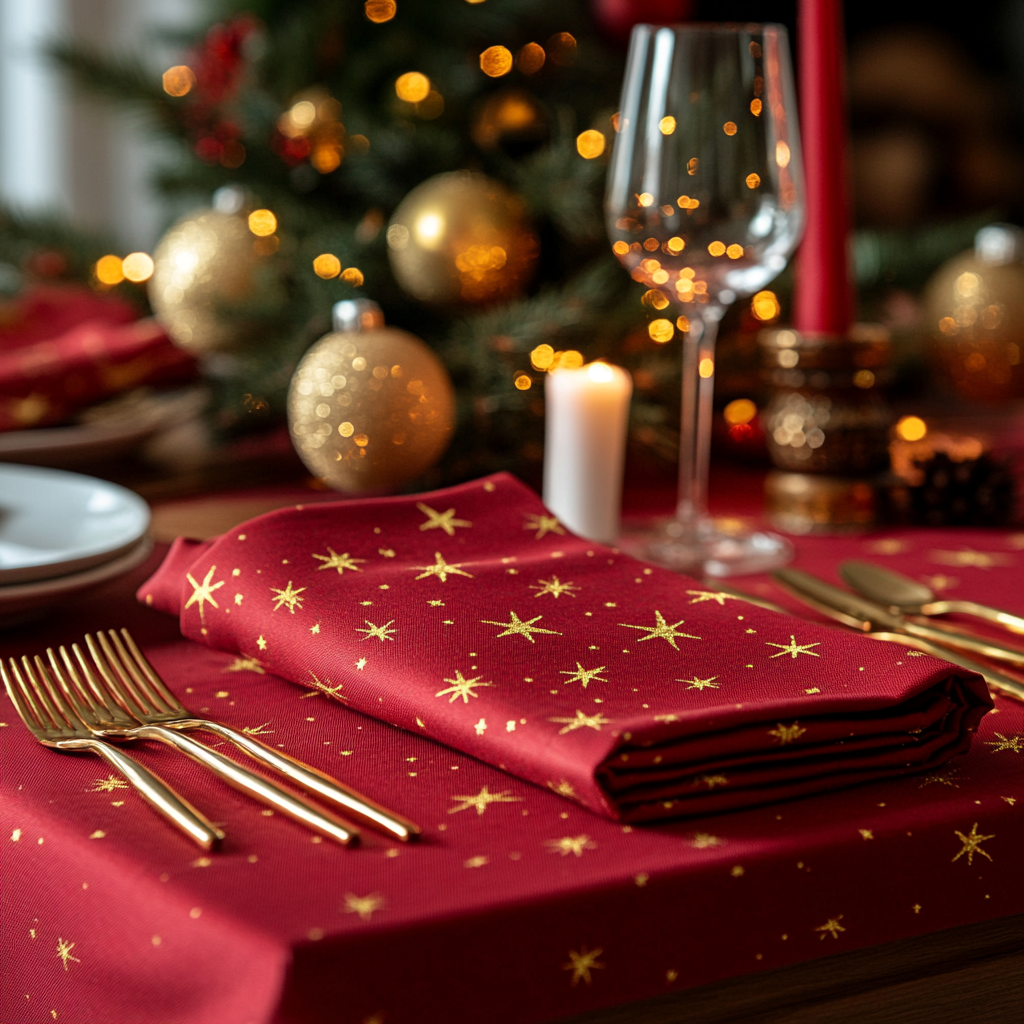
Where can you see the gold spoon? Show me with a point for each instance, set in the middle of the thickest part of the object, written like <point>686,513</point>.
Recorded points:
<point>902,594</point>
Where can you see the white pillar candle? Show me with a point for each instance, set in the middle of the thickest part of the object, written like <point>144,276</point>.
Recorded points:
<point>585,448</point>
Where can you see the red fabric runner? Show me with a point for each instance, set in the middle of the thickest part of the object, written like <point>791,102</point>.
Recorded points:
<point>110,916</point>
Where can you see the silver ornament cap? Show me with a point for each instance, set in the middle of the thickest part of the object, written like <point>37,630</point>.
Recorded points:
<point>354,315</point>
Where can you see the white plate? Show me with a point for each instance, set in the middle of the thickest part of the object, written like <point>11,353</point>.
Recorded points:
<point>54,523</point>
<point>23,602</point>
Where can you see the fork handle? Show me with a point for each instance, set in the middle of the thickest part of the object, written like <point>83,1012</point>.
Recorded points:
<point>254,785</point>
<point>178,811</point>
<point>1008,620</point>
<point>354,804</point>
<point>948,637</point>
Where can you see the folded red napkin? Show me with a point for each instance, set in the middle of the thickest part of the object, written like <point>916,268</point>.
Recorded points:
<point>64,351</point>
<point>473,616</point>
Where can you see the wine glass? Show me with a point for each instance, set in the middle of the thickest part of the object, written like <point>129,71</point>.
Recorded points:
<point>704,206</point>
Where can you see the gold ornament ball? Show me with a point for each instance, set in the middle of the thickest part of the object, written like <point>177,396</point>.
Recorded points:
<point>205,262</point>
<point>461,238</point>
<point>370,409</point>
<point>974,309</point>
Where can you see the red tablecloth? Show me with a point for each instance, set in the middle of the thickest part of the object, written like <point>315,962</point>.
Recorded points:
<point>517,905</point>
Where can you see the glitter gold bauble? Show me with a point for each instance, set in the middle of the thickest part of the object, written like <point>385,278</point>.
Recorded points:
<point>203,266</point>
<point>369,406</point>
<point>461,238</point>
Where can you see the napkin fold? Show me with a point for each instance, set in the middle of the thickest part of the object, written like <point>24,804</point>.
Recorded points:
<point>473,616</point>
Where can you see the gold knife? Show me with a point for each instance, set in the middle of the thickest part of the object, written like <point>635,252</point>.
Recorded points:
<point>858,612</point>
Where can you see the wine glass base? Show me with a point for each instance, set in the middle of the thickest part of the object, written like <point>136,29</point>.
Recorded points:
<point>716,548</point>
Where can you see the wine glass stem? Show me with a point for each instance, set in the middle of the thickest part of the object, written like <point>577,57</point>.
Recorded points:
<point>695,428</point>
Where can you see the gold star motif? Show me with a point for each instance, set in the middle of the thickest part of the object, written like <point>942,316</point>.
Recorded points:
<point>108,785</point>
<point>866,833</point>
<point>239,598</point>
<point>972,844</point>
<point>700,684</point>
<point>257,730</point>
<point>364,906</point>
<point>704,841</point>
<point>339,562</point>
<point>793,648</point>
<point>1012,743</point>
<point>517,626</point>
<point>478,861</point>
<point>582,963</point>
<point>380,632</point>
<point>570,844</point>
<point>483,800</point>
<point>436,604</point>
<point>581,721</point>
<point>662,630</point>
<point>327,688</point>
<point>720,597</point>
<point>203,592</point>
<point>543,525</point>
<point>564,788</point>
<point>361,662</point>
<point>973,559</point>
<point>261,643</point>
<point>481,727</point>
<point>461,688</point>
<point>440,520</point>
<point>583,675</point>
<point>64,952</point>
<point>315,628</point>
<point>831,927</point>
<point>714,780</point>
<point>1011,800</point>
<point>288,598</point>
<point>944,779</point>
<point>666,718</point>
<point>554,587</point>
<point>787,733</point>
<point>441,569</point>
<point>245,665</point>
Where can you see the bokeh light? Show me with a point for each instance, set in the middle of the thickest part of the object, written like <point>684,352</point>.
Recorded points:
<point>412,87</point>
<point>667,125</point>
<point>327,265</point>
<point>729,128</point>
<point>645,199</point>
<point>353,275</point>
<point>661,331</point>
<point>734,252</point>
<point>765,306</point>
<point>137,267</point>
<point>542,357</point>
<point>740,410</point>
<point>379,11</point>
<point>178,81</point>
<point>753,180</point>
<point>523,382</point>
<point>562,49</point>
<point>262,223</point>
<point>706,367</point>
<point>717,248</point>
<point>911,428</point>
<point>590,144</point>
<point>782,154</point>
<point>108,270</point>
<point>496,61</point>
<point>620,248</point>
<point>755,108</point>
<point>531,58</point>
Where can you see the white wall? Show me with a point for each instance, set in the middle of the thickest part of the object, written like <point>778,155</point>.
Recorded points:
<point>67,152</point>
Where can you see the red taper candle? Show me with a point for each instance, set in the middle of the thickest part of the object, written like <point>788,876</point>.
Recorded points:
<point>823,303</point>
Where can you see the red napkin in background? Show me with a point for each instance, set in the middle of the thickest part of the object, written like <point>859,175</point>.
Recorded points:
<point>472,616</point>
<point>62,349</point>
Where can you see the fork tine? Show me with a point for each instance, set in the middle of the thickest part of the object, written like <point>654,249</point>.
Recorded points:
<point>103,706</point>
<point>124,695</point>
<point>45,684</point>
<point>80,709</point>
<point>22,702</point>
<point>126,664</point>
<point>49,717</point>
<point>149,672</point>
<point>69,672</point>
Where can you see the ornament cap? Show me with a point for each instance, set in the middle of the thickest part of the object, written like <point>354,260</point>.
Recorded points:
<point>357,315</point>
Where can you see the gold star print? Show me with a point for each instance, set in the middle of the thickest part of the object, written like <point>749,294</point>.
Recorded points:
<point>441,569</point>
<point>519,627</point>
<point>941,582</point>
<point>866,833</point>
<point>461,688</point>
<point>704,841</point>
<point>436,604</point>
<point>339,562</point>
<point>661,630</point>
<point>483,800</point>
<point>203,592</point>
<point>570,844</point>
<point>315,628</point>
<point>583,675</point>
<point>831,927</point>
<point>972,844</point>
<point>245,665</point>
<point>581,721</point>
<point>946,780</point>
<point>64,948</point>
<point>563,788</point>
<point>1012,743</point>
<point>714,780</point>
<point>787,733</point>
<point>700,596</point>
<point>967,557</point>
<point>887,546</point>
<point>666,718</point>
<point>108,785</point>
<point>543,525</point>
<point>554,587</point>
<point>700,684</point>
<point>364,906</point>
<point>794,649</point>
<point>380,632</point>
<point>481,727</point>
<point>239,598</point>
<point>257,730</point>
<point>288,598</point>
<point>361,662</point>
<point>326,687</point>
<point>261,643</point>
<point>582,963</point>
<point>440,520</point>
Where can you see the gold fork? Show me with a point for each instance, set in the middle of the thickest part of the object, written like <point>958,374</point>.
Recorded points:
<point>143,694</point>
<point>112,706</point>
<point>56,721</point>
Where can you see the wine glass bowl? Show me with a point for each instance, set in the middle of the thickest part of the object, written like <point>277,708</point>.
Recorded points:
<point>704,206</point>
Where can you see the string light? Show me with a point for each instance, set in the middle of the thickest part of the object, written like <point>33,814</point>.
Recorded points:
<point>782,154</point>
<point>262,223</point>
<point>412,87</point>
<point>496,61</point>
<point>755,108</point>
<point>523,382</point>
<point>717,248</point>
<point>620,248</point>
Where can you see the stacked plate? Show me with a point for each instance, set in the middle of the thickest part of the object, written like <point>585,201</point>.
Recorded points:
<point>62,533</point>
